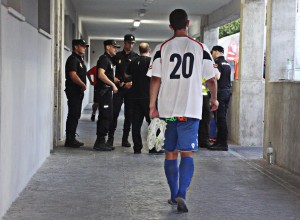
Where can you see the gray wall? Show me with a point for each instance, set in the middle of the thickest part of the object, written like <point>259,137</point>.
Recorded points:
<point>30,11</point>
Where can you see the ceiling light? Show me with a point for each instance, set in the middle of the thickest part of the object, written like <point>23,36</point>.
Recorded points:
<point>147,2</point>
<point>136,23</point>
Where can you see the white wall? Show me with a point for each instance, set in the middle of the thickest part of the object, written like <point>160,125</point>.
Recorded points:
<point>26,105</point>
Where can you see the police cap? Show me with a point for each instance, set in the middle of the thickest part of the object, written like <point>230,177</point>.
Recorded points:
<point>129,37</point>
<point>111,42</point>
<point>79,42</point>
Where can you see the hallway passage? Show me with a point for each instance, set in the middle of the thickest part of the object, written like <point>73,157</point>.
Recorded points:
<point>84,184</point>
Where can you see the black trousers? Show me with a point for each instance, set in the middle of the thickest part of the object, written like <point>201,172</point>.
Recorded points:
<point>119,98</point>
<point>222,130</point>
<point>139,112</point>
<point>74,113</point>
<point>105,113</point>
<point>203,132</point>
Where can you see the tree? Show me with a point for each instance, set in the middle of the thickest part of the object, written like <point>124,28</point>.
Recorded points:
<point>229,28</point>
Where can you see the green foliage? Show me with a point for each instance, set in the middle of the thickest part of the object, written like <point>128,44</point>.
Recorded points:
<point>229,28</point>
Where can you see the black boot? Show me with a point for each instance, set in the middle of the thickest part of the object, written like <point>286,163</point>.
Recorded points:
<point>219,147</point>
<point>72,142</point>
<point>110,143</point>
<point>80,143</point>
<point>204,144</point>
<point>125,142</point>
<point>154,151</point>
<point>100,145</point>
<point>93,117</point>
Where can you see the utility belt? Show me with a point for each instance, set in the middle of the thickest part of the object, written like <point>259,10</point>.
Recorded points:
<point>182,119</point>
<point>103,90</point>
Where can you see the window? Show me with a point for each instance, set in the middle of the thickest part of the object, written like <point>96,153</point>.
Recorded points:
<point>69,31</point>
<point>44,15</point>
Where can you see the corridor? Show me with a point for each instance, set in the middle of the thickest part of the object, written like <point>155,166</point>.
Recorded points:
<point>84,184</point>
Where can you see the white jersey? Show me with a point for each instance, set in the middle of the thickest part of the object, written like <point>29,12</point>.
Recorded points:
<point>181,62</point>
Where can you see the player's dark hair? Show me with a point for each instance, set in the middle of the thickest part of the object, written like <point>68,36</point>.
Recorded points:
<point>178,19</point>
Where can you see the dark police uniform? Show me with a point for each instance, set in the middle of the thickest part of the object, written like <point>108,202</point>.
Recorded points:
<point>122,60</point>
<point>74,93</point>
<point>139,94</point>
<point>104,96</point>
<point>224,93</point>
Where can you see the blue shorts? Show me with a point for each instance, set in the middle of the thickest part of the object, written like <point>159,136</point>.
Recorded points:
<point>182,136</point>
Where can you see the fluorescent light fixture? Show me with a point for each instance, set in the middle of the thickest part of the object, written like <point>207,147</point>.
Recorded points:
<point>136,23</point>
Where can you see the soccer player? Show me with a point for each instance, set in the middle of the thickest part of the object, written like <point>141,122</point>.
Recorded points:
<point>176,71</point>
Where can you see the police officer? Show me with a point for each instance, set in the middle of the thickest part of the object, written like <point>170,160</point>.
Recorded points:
<point>121,60</point>
<point>75,73</point>
<point>103,92</point>
<point>224,93</point>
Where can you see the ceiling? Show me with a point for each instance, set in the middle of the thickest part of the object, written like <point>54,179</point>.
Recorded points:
<point>103,19</point>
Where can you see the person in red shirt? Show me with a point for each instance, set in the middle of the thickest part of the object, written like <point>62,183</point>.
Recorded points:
<point>93,72</point>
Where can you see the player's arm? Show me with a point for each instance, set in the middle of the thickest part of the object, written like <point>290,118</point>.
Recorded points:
<point>212,86</point>
<point>154,89</point>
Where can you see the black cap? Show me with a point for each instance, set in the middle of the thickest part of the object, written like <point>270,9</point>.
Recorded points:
<point>111,42</point>
<point>79,42</point>
<point>218,48</point>
<point>129,37</point>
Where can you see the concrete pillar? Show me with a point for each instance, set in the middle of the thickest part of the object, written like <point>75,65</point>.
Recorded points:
<point>248,92</point>
<point>281,31</point>
<point>211,37</point>
<point>58,68</point>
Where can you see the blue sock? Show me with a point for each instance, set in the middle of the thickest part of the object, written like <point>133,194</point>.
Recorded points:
<point>171,171</point>
<point>186,171</point>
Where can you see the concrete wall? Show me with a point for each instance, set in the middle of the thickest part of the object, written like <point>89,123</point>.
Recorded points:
<point>26,105</point>
<point>282,123</point>
<point>223,15</point>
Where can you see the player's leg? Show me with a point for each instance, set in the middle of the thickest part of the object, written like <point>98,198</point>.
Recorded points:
<point>171,165</point>
<point>187,144</point>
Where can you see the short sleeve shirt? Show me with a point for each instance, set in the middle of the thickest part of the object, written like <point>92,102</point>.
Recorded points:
<point>224,68</point>
<point>105,62</point>
<point>181,62</point>
<point>122,60</point>
<point>75,63</point>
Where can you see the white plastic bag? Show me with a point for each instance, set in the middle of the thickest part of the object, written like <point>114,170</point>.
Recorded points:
<point>154,141</point>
